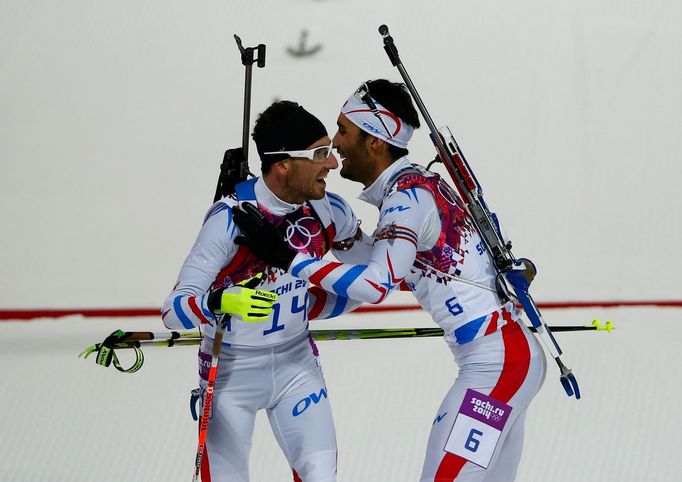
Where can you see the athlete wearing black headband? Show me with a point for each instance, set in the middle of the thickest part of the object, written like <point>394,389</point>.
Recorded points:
<point>270,365</point>
<point>295,152</point>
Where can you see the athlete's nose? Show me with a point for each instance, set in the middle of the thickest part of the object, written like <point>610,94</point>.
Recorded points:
<point>331,162</point>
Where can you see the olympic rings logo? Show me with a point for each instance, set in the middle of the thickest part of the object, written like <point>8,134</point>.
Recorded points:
<point>295,228</point>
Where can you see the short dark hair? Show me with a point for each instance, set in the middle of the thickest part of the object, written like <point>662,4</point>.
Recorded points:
<point>396,98</point>
<point>267,119</point>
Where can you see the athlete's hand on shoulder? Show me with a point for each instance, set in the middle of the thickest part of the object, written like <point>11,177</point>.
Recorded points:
<point>262,237</point>
<point>243,301</point>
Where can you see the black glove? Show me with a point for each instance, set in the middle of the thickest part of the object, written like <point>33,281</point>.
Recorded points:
<point>262,237</point>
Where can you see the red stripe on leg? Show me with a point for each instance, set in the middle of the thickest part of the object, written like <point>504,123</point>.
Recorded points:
<point>449,468</point>
<point>516,361</point>
<point>514,371</point>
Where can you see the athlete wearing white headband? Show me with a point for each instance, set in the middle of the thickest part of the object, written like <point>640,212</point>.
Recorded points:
<point>373,118</point>
<point>425,242</point>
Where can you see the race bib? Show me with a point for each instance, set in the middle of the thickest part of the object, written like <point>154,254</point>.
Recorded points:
<point>477,428</point>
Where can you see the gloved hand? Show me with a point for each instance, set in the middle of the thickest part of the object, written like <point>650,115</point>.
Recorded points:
<point>105,353</point>
<point>242,301</point>
<point>262,237</point>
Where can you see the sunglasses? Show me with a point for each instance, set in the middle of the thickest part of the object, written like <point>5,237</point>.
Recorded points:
<point>317,154</point>
<point>363,94</point>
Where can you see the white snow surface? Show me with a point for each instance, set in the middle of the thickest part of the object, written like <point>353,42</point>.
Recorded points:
<point>65,419</point>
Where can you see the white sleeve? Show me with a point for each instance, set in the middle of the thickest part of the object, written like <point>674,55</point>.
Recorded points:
<point>356,245</point>
<point>359,253</point>
<point>345,222</point>
<point>186,306</point>
<point>405,219</point>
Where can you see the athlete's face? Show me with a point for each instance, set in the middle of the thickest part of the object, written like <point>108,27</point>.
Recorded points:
<point>352,147</point>
<point>306,177</point>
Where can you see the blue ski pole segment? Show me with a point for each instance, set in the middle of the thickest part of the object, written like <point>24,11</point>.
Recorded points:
<point>517,273</point>
<point>520,277</point>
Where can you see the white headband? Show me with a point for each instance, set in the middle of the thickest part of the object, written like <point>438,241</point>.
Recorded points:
<point>386,126</point>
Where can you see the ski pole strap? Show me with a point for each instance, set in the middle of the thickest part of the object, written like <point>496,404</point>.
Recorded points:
<point>106,354</point>
<point>137,364</point>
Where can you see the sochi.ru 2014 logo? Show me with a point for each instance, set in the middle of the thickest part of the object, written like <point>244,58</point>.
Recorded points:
<point>487,409</point>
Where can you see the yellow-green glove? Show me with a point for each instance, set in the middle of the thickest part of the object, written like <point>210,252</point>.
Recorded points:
<point>242,301</point>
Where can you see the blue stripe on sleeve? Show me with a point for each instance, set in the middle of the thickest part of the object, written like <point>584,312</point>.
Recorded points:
<point>342,284</point>
<point>297,269</point>
<point>338,206</point>
<point>339,306</point>
<point>215,210</point>
<point>337,202</point>
<point>177,307</point>
<point>412,191</point>
<point>335,197</point>
<point>466,333</point>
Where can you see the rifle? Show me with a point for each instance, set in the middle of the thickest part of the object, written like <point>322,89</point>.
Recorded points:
<point>235,166</point>
<point>517,272</point>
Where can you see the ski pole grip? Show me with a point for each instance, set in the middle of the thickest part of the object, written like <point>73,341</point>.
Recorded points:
<point>389,46</point>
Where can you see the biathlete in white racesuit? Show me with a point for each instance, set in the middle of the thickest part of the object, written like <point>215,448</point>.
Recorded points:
<point>272,365</point>
<point>425,242</point>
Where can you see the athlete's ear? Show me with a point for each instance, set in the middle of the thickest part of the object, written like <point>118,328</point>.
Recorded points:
<point>377,146</point>
<point>281,167</point>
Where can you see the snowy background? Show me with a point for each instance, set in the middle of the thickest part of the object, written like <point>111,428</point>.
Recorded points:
<point>113,120</point>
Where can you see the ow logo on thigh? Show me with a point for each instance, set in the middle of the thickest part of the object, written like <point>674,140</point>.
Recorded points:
<point>312,399</point>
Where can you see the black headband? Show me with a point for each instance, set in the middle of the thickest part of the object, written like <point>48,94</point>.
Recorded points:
<point>293,132</point>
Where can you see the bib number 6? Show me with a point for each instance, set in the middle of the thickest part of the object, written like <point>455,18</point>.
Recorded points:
<point>472,443</point>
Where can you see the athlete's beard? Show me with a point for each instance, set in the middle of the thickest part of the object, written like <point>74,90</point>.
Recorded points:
<point>354,167</point>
